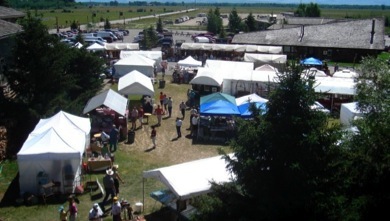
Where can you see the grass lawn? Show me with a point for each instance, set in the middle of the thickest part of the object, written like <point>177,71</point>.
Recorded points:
<point>132,159</point>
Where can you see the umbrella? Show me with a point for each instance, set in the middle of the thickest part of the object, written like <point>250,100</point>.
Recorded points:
<point>311,61</point>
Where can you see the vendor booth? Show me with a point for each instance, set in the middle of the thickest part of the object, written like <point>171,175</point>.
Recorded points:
<point>189,62</point>
<point>206,81</point>
<point>51,155</point>
<point>215,121</point>
<point>348,113</point>
<point>106,109</point>
<point>135,62</point>
<point>188,180</point>
<point>135,83</point>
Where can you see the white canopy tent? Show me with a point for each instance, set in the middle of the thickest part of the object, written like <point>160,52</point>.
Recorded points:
<point>348,112</point>
<point>135,83</point>
<point>110,99</point>
<point>96,47</point>
<point>135,62</point>
<point>121,46</point>
<point>50,154</point>
<point>251,98</point>
<point>346,73</point>
<point>189,62</point>
<point>206,76</point>
<point>232,47</point>
<point>332,85</point>
<point>193,178</point>
<point>278,60</point>
<point>314,72</point>
<point>154,55</point>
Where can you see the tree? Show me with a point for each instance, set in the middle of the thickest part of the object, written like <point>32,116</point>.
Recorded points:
<point>107,24</point>
<point>311,10</point>
<point>369,159</point>
<point>47,75</point>
<point>283,160</point>
<point>159,25</point>
<point>251,23</point>
<point>150,38</point>
<point>214,22</point>
<point>234,21</point>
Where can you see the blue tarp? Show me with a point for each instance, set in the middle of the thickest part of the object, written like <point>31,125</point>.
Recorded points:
<point>311,61</point>
<point>218,104</point>
<point>244,108</point>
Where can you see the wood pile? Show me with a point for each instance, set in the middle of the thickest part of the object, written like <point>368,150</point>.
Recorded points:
<point>3,143</point>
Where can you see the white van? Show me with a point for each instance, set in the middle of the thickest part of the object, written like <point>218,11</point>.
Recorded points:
<point>90,42</point>
<point>95,38</point>
<point>105,34</point>
<point>85,35</point>
<point>201,39</point>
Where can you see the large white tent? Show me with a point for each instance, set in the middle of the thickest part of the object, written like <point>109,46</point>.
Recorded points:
<point>96,47</point>
<point>232,47</point>
<point>110,99</point>
<point>53,152</point>
<point>154,55</point>
<point>332,85</point>
<point>278,60</point>
<point>135,62</point>
<point>193,178</point>
<point>189,62</point>
<point>206,76</point>
<point>121,46</point>
<point>135,83</point>
<point>348,112</point>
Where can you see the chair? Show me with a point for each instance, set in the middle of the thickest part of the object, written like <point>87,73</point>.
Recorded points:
<point>47,191</point>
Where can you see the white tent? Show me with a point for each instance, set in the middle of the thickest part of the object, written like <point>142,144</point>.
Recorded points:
<point>261,59</point>
<point>53,155</point>
<point>110,99</point>
<point>121,46</point>
<point>135,62</point>
<point>314,72</point>
<point>78,45</point>
<point>206,76</point>
<point>332,85</point>
<point>135,83</point>
<point>193,178</point>
<point>64,121</point>
<point>96,47</point>
<point>348,112</point>
<point>251,98</point>
<point>189,62</point>
<point>232,47</point>
<point>346,73</point>
<point>154,55</point>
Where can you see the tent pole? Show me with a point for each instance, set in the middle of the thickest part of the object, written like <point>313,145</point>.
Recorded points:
<point>143,194</point>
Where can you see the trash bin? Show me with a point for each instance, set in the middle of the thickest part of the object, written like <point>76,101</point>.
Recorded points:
<point>130,136</point>
<point>161,83</point>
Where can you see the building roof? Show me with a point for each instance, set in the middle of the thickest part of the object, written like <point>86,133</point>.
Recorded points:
<point>355,34</point>
<point>8,28</point>
<point>7,13</point>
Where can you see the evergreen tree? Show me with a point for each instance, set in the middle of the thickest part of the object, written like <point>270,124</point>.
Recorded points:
<point>282,160</point>
<point>369,147</point>
<point>107,24</point>
<point>251,23</point>
<point>214,21</point>
<point>234,21</point>
<point>159,25</point>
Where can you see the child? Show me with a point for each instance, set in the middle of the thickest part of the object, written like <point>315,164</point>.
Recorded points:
<point>63,215</point>
<point>153,136</point>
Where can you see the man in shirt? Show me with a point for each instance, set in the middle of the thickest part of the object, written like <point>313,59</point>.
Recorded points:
<point>109,185</point>
<point>179,122</point>
<point>170,104</point>
<point>114,133</point>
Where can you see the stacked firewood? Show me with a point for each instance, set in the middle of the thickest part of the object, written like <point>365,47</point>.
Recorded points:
<point>3,143</point>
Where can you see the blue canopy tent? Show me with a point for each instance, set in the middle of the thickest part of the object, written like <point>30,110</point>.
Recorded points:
<point>218,104</point>
<point>311,61</point>
<point>244,103</point>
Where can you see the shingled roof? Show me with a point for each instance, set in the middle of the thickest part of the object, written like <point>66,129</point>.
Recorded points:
<point>8,28</point>
<point>355,34</point>
<point>7,13</point>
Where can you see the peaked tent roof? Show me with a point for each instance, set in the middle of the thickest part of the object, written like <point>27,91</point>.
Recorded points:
<point>63,120</point>
<point>205,76</point>
<point>311,61</point>
<point>189,62</point>
<point>96,47</point>
<point>250,98</point>
<point>52,141</point>
<point>218,104</point>
<point>193,178</point>
<point>135,83</point>
<point>108,98</point>
<point>154,55</point>
<point>137,60</point>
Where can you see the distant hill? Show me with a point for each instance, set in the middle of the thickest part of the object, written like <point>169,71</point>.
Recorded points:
<point>320,2</point>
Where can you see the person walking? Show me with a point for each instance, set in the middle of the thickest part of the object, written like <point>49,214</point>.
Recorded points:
<point>114,134</point>
<point>159,113</point>
<point>165,102</point>
<point>116,210</point>
<point>170,104</point>
<point>183,107</point>
<point>161,98</point>
<point>116,178</point>
<point>72,209</point>
<point>140,115</point>
<point>134,117</point>
<point>179,122</point>
<point>109,185</point>
<point>153,136</point>
<point>194,125</point>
